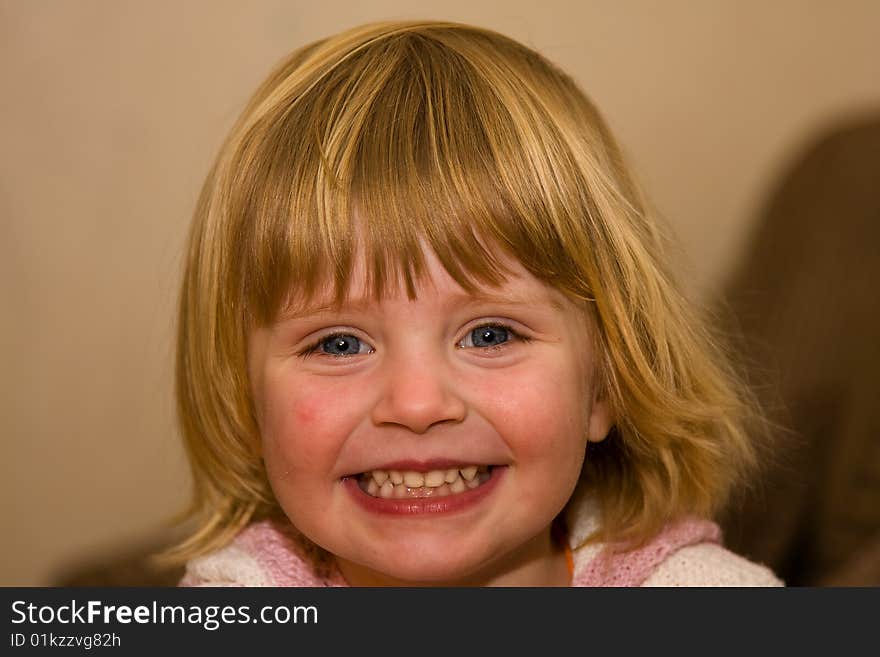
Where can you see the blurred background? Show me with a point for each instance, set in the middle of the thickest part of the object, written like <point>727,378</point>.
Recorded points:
<point>753,126</point>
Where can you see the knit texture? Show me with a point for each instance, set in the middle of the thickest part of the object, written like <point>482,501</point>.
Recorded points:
<point>615,567</point>
<point>266,553</point>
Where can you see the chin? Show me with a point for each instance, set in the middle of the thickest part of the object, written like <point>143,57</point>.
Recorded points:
<point>437,565</point>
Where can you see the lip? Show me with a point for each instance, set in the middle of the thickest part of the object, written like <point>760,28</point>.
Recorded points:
<point>412,465</point>
<point>424,506</point>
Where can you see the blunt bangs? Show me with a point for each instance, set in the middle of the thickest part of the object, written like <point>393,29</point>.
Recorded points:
<point>402,143</point>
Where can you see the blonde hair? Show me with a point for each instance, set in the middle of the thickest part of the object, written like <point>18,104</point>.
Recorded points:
<point>469,140</point>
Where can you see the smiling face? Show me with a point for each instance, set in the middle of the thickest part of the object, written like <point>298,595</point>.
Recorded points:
<point>347,400</point>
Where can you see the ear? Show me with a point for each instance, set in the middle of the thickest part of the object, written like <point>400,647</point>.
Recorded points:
<point>600,420</point>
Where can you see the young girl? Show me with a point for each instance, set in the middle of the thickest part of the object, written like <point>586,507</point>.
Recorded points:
<point>427,337</point>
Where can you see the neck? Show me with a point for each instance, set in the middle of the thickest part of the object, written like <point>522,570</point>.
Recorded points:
<point>539,562</point>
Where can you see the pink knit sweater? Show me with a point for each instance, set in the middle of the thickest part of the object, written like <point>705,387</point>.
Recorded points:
<point>686,553</point>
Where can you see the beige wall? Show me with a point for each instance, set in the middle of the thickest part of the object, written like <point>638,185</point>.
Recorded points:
<point>111,111</point>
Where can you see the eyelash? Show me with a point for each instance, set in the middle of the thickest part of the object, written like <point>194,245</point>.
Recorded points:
<point>316,345</point>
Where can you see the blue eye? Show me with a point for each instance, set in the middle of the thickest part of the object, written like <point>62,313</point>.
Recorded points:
<point>490,335</point>
<point>348,345</point>
<point>338,345</point>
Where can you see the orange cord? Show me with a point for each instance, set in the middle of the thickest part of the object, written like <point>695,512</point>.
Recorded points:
<point>569,559</point>
<point>559,532</point>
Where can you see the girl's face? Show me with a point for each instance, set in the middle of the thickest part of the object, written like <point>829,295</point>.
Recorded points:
<point>351,402</point>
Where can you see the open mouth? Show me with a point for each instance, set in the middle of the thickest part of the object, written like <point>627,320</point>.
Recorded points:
<point>402,484</point>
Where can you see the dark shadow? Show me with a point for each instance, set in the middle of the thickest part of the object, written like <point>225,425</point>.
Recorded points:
<point>125,564</point>
<point>807,303</point>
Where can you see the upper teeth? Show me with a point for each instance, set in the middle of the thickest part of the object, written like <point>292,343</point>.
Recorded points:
<point>431,479</point>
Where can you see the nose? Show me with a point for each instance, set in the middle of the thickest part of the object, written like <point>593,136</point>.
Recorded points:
<point>417,394</point>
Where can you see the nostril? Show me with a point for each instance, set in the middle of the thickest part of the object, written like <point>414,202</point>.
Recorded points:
<point>419,401</point>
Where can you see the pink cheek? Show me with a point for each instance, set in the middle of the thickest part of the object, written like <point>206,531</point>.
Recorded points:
<point>289,420</point>
<point>306,413</point>
<point>321,413</point>
<point>292,447</point>
<point>532,413</point>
